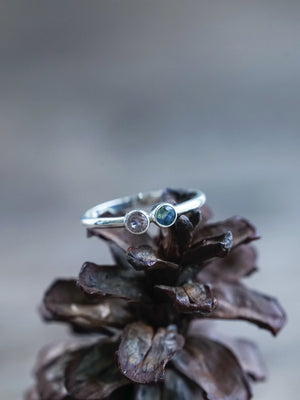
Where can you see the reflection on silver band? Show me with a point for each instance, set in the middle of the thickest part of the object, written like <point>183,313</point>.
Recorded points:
<point>137,221</point>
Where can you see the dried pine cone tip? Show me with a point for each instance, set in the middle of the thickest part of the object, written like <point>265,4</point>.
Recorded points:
<point>113,281</point>
<point>190,297</point>
<point>64,301</point>
<point>143,307</point>
<point>143,258</point>
<point>143,353</point>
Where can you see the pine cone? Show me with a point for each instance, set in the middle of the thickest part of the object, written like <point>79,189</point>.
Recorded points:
<point>145,321</point>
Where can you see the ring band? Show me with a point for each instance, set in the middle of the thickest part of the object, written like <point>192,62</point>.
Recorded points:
<point>137,221</point>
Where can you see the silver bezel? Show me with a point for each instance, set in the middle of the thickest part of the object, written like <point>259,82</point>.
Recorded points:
<point>127,215</point>
<point>153,215</point>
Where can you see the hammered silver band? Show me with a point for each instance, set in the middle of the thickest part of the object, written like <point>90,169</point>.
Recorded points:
<point>136,220</point>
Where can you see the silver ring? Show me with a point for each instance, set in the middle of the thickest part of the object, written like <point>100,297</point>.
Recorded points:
<point>137,221</point>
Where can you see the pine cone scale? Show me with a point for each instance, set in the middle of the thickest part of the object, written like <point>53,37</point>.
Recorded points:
<point>214,368</point>
<point>143,353</point>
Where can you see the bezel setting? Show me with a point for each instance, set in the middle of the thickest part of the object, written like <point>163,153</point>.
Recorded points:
<point>138,217</point>
<point>157,220</point>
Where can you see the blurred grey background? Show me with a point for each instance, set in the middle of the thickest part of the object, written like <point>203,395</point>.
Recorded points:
<point>104,98</point>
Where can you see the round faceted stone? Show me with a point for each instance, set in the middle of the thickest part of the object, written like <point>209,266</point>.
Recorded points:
<point>165,215</point>
<point>137,222</point>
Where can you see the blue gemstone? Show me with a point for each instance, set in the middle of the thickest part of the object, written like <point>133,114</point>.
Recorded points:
<point>165,215</point>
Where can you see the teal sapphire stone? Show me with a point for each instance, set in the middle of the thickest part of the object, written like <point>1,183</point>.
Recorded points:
<point>165,215</point>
